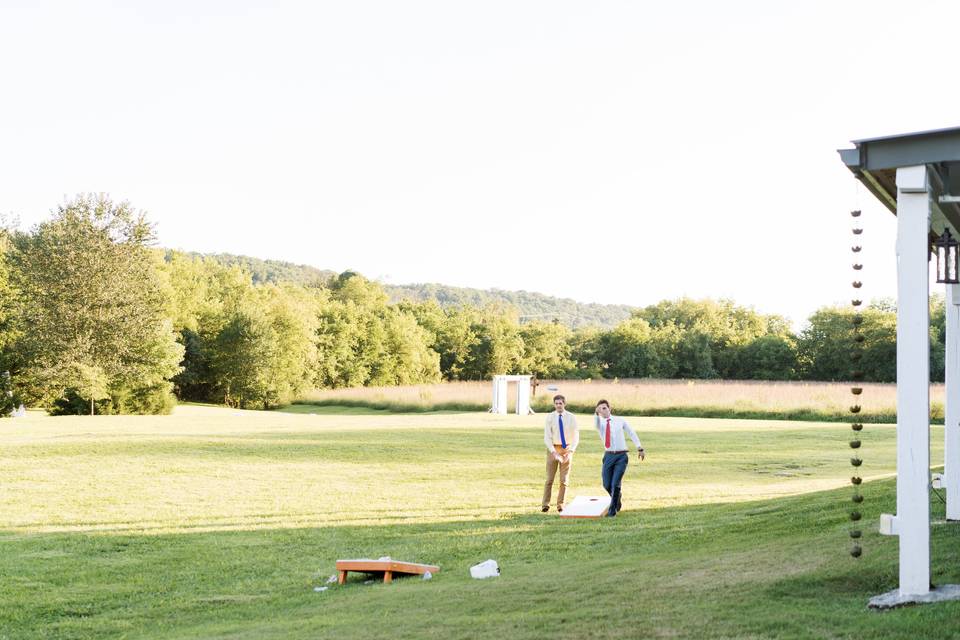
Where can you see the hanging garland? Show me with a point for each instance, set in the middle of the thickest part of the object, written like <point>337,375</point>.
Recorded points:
<point>856,374</point>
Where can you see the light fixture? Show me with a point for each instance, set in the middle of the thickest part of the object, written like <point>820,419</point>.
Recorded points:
<point>948,269</point>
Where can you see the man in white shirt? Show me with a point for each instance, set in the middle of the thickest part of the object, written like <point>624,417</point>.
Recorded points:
<point>611,430</point>
<point>561,437</point>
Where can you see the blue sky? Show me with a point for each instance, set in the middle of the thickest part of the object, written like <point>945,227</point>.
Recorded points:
<point>619,152</point>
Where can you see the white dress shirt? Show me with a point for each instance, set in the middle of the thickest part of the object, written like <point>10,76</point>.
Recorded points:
<point>551,431</point>
<point>618,441</point>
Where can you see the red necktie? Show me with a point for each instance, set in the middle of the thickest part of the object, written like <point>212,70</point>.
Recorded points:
<point>606,441</point>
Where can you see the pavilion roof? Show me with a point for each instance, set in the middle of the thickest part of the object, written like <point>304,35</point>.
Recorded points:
<point>875,162</point>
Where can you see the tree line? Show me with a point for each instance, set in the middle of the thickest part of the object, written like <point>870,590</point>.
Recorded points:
<point>94,319</point>
<point>529,305</point>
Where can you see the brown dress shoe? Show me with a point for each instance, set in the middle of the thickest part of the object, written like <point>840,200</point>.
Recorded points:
<point>544,509</point>
<point>560,507</point>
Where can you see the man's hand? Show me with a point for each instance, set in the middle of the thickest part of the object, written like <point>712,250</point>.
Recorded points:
<point>640,454</point>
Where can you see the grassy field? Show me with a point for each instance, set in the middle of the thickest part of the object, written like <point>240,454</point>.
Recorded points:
<point>215,523</point>
<point>817,401</point>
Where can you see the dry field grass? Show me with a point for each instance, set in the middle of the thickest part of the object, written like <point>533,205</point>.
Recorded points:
<point>695,398</point>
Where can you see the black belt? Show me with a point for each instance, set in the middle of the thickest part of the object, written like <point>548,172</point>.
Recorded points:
<point>621,451</point>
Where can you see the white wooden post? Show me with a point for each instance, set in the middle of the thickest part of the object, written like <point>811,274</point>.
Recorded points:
<point>523,395</point>
<point>502,389</point>
<point>951,421</point>
<point>499,395</point>
<point>912,521</point>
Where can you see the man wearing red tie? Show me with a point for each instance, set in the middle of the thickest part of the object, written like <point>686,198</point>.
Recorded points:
<point>611,430</point>
<point>561,436</point>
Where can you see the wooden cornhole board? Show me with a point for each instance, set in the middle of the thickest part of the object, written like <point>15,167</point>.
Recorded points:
<point>586,507</point>
<point>386,567</point>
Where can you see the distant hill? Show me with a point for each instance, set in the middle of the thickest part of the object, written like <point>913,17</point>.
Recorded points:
<point>530,306</point>
<point>274,271</point>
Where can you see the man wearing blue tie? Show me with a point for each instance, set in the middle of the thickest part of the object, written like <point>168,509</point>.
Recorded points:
<point>561,437</point>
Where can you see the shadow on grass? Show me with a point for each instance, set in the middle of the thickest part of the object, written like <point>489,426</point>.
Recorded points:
<point>755,569</point>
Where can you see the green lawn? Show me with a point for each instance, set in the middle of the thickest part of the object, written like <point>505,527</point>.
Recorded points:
<point>214,523</point>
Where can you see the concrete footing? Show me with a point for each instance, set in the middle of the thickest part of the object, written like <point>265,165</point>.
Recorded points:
<point>893,598</point>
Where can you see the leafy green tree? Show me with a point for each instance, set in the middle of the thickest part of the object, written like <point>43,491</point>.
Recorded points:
<point>195,380</point>
<point>85,385</point>
<point>89,297</point>
<point>453,334</point>
<point>361,340</point>
<point>546,349</point>
<point>825,345</point>
<point>191,291</point>
<point>259,351</point>
<point>215,307</point>
<point>879,330</point>
<point>499,347</point>
<point>8,400</point>
<point>353,287</point>
<point>405,356</point>
<point>350,332</point>
<point>240,358</point>
<point>711,337</point>
<point>769,357</point>
<point>7,300</point>
<point>341,360</point>
<point>887,305</point>
<point>457,340</point>
<point>692,354</point>
<point>199,290</point>
<point>630,350</point>
<point>587,347</point>
<point>938,328</point>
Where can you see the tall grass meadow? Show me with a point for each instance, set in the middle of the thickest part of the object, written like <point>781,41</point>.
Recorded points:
<point>648,397</point>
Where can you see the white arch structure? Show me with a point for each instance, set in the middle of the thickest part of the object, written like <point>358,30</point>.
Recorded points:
<point>500,394</point>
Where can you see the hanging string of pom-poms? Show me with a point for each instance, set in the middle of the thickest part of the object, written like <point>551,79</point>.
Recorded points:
<point>856,374</point>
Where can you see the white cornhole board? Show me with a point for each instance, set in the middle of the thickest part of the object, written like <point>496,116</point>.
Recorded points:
<point>586,507</point>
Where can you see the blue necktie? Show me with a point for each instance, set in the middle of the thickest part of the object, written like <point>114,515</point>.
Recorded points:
<point>563,440</point>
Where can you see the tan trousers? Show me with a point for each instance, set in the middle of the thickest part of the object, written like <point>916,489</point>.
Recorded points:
<point>552,467</point>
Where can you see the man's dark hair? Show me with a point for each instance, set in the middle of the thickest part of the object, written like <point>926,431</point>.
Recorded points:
<point>603,402</point>
<point>559,397</point>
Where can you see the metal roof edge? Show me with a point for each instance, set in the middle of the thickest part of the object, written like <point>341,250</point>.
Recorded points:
<point>850,157</point>
<point>913,134</point>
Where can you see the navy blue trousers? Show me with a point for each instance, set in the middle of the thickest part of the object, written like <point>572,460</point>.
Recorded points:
<point>614,466</point>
